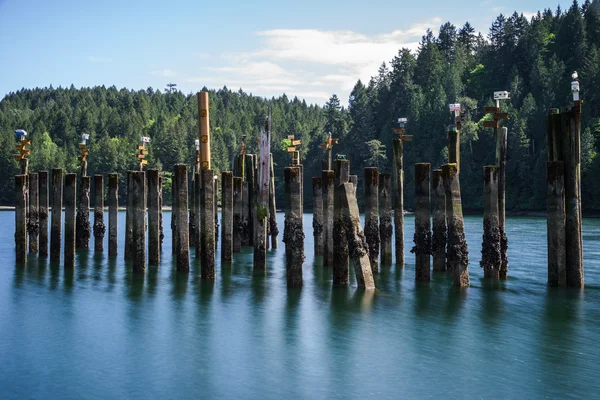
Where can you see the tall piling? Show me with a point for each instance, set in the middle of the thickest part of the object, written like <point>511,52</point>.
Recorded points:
<point>454,148</point>
<point>438,210</point>
<point>501,143</point>
<point>250,177</point>
<point>293,232</point>
<point>245,198</point>
<point>83,227</point>
<point>398,175</point>
<point>138,203</point>
<point>113,214</point>
<point>238,230</point>
<point>491,259</point>
<point>70,227</point>
<point>33,216</point>
<point>341,256</point>
<point>385,218</point>
<point>153,217</point>
<point>43,213</point>
<point>197,205</point>
<point>273,228</point>
<point>207,226</point>
<point>422,237</point>
<point>317,190</point>
<point>193,217</point>
<point>182,251</point>
<point>56,224</point>
<point>129,219</point>
<point>457,253</point>
<point>160,212</point>
<point>21,218</point>
<point>263,183</point>
<point>555,203</point>
<point>327,182</point>
<point>174,215</point>
<point>371,230</point>
<point>227,217</point>
<point>99,226</point>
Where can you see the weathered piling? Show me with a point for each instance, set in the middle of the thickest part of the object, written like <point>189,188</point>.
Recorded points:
<point>327,181</point>
<point>216,209</point>
<point>153,217</point>
<point>174,215</point>
<point>33,216</point>
<point>263,183</point>
<point>457,253</point>
<point>555,203</point>
<point>357,243</point>
<point>245,198</point>
<point>138,203</point>
<point>43,213</point>
<point>398,171</point>
<point>491,259</point>
<point>193,218</point>
<point>454,148</point>
<point>182,251</point>
<point>293,231</point>
<point>227,217</point>
<point>70,227</point>
<point>83,228</point>
<point>160,212</point>
<point>372,216</point>
<point>340,238</point>
<point>113,214</point>
<point>385,218</point>
<point>237,214</point>
<point>99,226</point>
<point>317,190</point>
<point>273,228</point>
<point>251,197</point>
<point>354,180</point>
<point>501,143</point>
<point>207,226</point>
<point>21,218</point>
<point>438,210</point>
<point>129,219</point>
<point>422,237</point>
<point>197,205</point>
<point>56,224</point>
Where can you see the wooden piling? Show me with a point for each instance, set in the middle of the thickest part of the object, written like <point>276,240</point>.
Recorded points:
<point>138,203</point>
<point>113,214</point>
<point>43,213</point>
<point>555,203</point>
<point>491,259</point>
<point>160,212</point>
<point>174,215</point>
<point>501,143</point>
<point>21,218</point>
<point>227,217</point>
<point>238,230</point>
<point>182,251</point>
<point>372,216</point>
<point>398,175</point>
<point>153,217</point>
<point>354,180</point>
<point>273,229</point>
<point>454,148</point>
<point>250,177</point>
<point>33,216</point>
<point>341,170</point>
<point>317,188</point>
<point>207,226</point>
<point>293,232</point>
<point>245,198</point>
<point>99,226</point>
<point>327,182</point>
<point>83,227</point>
<point>457,254</point>
<point>385,218</point>
<point>263,182</point>
<point>204,129</point>
<point>70,227</point>
<point>129,219</point>
<point>197,206</point>
<point>56,224</point>
<point>193,218</point>
<point>438,207</point>
<point>422,237</point>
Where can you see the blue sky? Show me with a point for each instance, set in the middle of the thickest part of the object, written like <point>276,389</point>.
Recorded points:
<point>308,49</point>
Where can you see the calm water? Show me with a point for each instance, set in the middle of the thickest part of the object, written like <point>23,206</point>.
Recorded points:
<point>100,332</point>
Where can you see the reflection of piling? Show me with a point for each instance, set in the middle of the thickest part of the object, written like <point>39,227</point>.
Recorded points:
<point>70,198</point>
<point>113,214</point>
<point>327,182</point>
<point>491,260</point>
<point>398,187</point>
<point>56,225</point>
<point>555,200</point>
<point>422,238</point>
<point>226,217</point>
<point>372,216</point>
<point>457,254</point>
<point>438,211</point>
<point>293,233</point>
<point>21,218</point>
<point>182,251</point>
<point>273,229</point>
<point>385,218</point>
<point>99,227</point>
<point>317,188</point>
<point>33,216</point>
<point>207,226</point>
<point>138,202</point>
<point>129,219</point>
<point>83,229</point>
<point>340,249</point>
<point>153,217</point>
<point>237,214</point>
<point>43,213</point>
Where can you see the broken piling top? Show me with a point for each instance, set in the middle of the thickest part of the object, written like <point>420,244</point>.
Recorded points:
<point>400,131</point>
<point>204,129</point>
<point>327,147</point>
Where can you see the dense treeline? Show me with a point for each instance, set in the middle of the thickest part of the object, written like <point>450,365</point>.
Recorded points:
<point>533,59</point>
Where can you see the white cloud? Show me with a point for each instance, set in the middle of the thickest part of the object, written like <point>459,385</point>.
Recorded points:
<point>99,59</point>
<point>166,73</point>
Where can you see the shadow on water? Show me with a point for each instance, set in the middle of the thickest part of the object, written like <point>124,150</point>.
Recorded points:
<point>81,264</point>
<point>134,283</point>
<point>292,315</point>
<point>226,282</point>
<point>206,288</point>
<point>456,301</point>
<point>68,279</point>
<point>98,266</point>
<point>152,277</point>
<point>180,282</point>
<point>111,275</point>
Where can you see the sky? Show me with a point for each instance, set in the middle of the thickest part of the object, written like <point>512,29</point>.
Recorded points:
<point>310,49</point>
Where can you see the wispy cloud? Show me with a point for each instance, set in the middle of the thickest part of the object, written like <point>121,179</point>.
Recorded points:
<point>99,59</point>
<point>166,73</point>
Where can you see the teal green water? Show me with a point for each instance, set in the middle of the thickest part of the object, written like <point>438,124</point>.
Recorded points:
<point>100,332</point>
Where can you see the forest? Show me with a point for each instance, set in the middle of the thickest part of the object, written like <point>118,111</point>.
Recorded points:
<point>532,59</point>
